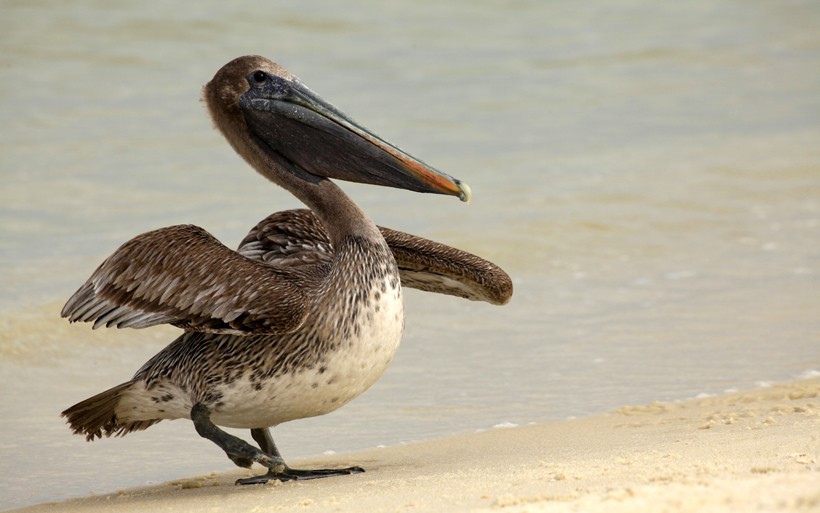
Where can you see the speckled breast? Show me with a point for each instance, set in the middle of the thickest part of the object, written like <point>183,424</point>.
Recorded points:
<point>352,333</point>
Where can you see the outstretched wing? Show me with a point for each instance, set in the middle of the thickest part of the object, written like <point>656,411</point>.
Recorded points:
<point>297,237</point>
<point>183,276</point>
<point>434,267</point>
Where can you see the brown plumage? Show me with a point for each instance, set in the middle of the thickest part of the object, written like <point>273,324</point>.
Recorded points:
<point>287,239</point>
<point>307,314</point>
<point>96,416</point>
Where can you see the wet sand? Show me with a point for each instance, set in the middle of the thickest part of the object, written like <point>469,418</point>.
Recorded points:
<point>748,451</point>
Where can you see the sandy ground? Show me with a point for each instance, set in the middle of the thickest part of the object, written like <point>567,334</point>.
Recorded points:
<point>751,451</point>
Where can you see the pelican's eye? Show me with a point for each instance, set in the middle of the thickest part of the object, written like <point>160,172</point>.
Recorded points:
<point>259,77</point>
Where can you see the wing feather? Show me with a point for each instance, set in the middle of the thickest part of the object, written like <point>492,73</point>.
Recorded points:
<point>434,267</point>
<point>183,276</point>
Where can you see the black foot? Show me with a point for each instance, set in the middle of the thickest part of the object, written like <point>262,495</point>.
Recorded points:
<point>292,474</point>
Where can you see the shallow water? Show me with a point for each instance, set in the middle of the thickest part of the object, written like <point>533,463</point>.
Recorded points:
<point>649,175</point>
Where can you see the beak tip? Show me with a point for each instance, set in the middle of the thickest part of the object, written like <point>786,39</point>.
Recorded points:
<point>466,193</point>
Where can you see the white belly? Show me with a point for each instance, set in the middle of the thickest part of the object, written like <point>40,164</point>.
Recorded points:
<point>342,375</point>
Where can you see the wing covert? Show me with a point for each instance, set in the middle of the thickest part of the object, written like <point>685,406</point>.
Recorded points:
<point>297,237</point>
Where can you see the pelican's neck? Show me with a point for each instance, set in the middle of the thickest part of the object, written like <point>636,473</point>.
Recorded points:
<point>338,213</point>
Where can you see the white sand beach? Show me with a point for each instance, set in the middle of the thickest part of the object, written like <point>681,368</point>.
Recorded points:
<point>748,451</point>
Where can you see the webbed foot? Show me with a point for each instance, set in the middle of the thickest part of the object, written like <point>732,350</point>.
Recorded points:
<point>292,474</point>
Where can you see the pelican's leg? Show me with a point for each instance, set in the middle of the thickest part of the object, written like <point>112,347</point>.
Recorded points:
<point>265,441</point>
<point>238,450</point>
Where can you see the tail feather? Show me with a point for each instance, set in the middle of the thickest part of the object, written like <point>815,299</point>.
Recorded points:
<point>96,416</point>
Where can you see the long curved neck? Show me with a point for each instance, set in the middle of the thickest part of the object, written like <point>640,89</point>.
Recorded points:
<point>339,214</point>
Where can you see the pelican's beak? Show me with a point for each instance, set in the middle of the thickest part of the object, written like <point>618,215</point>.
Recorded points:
<point>296,123</point>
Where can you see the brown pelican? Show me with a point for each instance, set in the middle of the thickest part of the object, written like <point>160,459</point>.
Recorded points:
<point>307,314</point>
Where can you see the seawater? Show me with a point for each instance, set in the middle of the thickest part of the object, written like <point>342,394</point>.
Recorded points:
<point>648,174</point>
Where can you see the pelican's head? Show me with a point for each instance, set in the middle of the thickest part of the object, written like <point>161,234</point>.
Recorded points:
<point>265,111</point>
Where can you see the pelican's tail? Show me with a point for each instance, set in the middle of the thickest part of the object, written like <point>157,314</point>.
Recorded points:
<point>96,416</point>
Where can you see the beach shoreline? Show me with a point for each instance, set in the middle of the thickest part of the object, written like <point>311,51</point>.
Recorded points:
<point>746,451</point>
